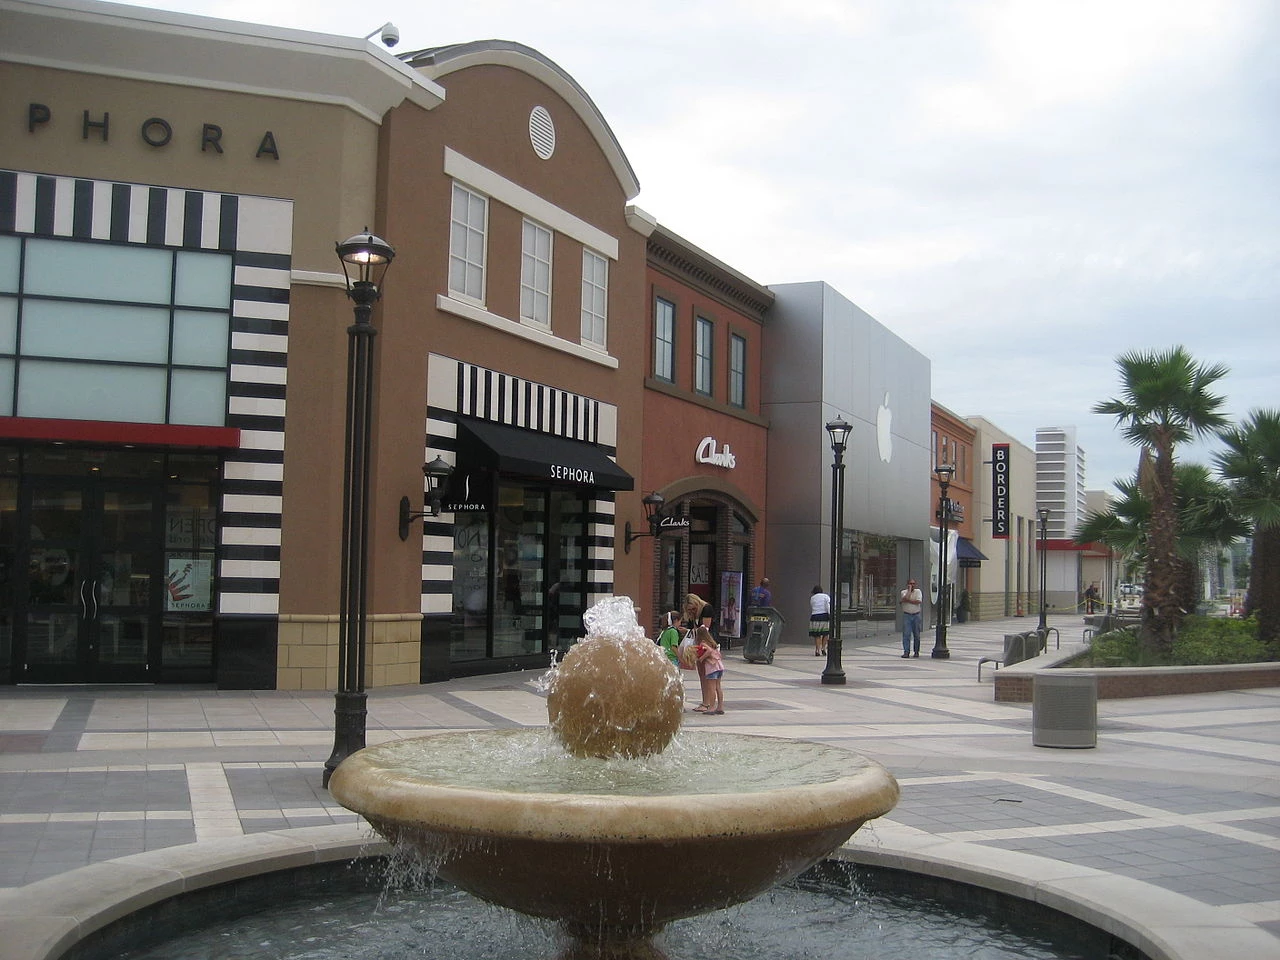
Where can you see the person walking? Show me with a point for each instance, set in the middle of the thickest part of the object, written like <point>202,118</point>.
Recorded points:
<point>819,619</point>
<point>762,596</point>
<point>912,602</point>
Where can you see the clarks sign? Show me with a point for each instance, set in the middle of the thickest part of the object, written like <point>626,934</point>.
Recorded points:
<point>707,454</point>
<point>156,132</point>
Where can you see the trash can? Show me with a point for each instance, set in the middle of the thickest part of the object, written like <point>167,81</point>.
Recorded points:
<point>764,629</point>
<point>1064,710</point>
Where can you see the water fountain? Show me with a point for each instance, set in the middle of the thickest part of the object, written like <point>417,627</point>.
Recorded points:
<point>597,822</point>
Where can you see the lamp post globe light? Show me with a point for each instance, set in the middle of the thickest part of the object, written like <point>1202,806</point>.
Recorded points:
<point>944,472</point>
<point>838,431</point>
<point>365,259</point>
<point>1043,515</point>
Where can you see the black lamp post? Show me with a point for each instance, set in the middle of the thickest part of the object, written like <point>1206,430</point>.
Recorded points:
<point>652,513</point>
<point>1043,514</point>
<point>945,472</point>
<point>839,431</point>
<point>364,259</point>
<point>437,473</point>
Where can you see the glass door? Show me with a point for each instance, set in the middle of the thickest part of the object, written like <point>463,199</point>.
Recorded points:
<point>89,610</point>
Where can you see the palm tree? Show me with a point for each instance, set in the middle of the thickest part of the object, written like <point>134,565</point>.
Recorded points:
<point>1165,400</point>
<point>1251,466</point>
<point>1206,519</point>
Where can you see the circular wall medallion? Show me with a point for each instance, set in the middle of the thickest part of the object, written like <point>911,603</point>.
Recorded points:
<point>542,132</point>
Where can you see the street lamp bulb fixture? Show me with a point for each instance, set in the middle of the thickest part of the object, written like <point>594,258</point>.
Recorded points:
<point>365,249</point>
<point>839,432</point>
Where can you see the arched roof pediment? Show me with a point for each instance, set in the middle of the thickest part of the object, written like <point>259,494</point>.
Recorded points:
<point>438,62</point>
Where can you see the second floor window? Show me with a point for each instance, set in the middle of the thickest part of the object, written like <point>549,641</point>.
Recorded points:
<point>702,355</point>
<point>737,371</point>
<point>595,298</point>
<point>467,224</point>
<point>664,340</point>
<point>535,274</point>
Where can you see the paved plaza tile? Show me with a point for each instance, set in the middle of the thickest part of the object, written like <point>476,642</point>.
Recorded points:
<point>1182,793</point>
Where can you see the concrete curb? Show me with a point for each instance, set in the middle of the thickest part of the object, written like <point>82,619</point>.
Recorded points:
<point>43,920</point>
<point>1162,924</point>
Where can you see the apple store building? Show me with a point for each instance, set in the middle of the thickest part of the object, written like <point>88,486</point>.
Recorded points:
<point>831,360</point>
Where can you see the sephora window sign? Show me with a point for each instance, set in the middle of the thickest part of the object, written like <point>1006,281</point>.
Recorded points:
<point>155,132</point>
<point>707,453</point>
<point>1000,491</point>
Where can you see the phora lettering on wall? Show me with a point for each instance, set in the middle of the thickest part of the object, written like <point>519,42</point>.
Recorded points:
<point>153,131</point>
<point>707,453</point>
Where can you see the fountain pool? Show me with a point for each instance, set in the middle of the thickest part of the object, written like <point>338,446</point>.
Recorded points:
<point>836,910</point>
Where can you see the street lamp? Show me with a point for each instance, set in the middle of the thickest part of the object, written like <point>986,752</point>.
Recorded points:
<point>437,473</point>
<point>1043,514</point>
<point>945,472</point>
<point>839,431</point>
<point>365,259</point>
<point>652,514</point>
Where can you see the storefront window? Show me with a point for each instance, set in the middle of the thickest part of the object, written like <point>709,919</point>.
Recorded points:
<point>520,578</point>
<point>113,332</point>
<point>470,634</point>
<point>868,576</point>
<point>520,584</point>
<point>190,538</point>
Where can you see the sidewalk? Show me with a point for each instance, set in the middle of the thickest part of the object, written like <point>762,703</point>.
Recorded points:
<point>1181,793</point>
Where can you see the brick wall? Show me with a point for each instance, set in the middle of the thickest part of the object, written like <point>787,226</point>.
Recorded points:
<point>1119,683</point>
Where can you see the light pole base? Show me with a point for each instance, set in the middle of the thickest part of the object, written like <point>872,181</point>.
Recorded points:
<point>941,653</point>
<point>349,716</point>
<point>833,673</point>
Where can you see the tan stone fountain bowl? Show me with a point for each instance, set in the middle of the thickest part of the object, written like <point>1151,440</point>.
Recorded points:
<point>613,867</point>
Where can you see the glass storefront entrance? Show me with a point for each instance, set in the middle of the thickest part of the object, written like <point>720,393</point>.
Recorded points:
<point>519,575</point>
<point>107,566</point>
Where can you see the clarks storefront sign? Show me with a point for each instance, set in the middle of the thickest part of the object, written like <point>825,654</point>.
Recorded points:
<point>159,132</point>
<point>707,453</point>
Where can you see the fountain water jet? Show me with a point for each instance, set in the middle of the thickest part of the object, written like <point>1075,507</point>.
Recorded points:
<point>603,831</point>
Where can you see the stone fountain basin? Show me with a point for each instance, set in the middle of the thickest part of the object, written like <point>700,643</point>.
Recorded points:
<point>628,859</point>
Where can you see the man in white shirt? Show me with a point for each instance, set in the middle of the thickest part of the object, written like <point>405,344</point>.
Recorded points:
<point>912,602</point>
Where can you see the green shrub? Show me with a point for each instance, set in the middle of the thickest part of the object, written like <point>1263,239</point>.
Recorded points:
<point>1201,641</point>
<point>1218,640</point>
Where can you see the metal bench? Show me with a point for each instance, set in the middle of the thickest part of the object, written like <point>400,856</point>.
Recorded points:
<point>1017,647</point>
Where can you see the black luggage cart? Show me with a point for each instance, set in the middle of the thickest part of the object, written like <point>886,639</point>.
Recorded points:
<point>764,629</point>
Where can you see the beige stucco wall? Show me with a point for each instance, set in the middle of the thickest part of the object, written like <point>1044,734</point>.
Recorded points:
<point>327,154</point>
<point>998,587</point>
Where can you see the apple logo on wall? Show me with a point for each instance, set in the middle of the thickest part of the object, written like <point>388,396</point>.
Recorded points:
<point>884,434</point>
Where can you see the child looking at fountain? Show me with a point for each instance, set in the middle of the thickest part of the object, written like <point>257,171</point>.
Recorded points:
<point>713,669</point>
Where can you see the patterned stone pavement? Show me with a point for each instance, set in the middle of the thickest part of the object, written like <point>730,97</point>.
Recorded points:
<point>1182,793</point>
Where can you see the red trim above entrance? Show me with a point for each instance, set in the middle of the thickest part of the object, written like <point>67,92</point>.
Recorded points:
<point>1067,545</point>
<point>102,431</point>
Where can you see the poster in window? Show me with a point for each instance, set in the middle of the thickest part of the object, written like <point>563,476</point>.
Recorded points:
<point>731,608</point>
<point>188,585</point>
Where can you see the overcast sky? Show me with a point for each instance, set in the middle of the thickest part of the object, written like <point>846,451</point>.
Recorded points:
<point>1020,189</point>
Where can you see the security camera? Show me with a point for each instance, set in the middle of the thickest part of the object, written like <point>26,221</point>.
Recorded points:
<point>388,33</point>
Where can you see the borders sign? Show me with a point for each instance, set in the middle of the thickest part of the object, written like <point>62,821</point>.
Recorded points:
<point>1000,491</point>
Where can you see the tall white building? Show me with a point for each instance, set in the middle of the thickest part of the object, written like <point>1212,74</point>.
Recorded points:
<point>1060,489</point>
<point>1060,480</point>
